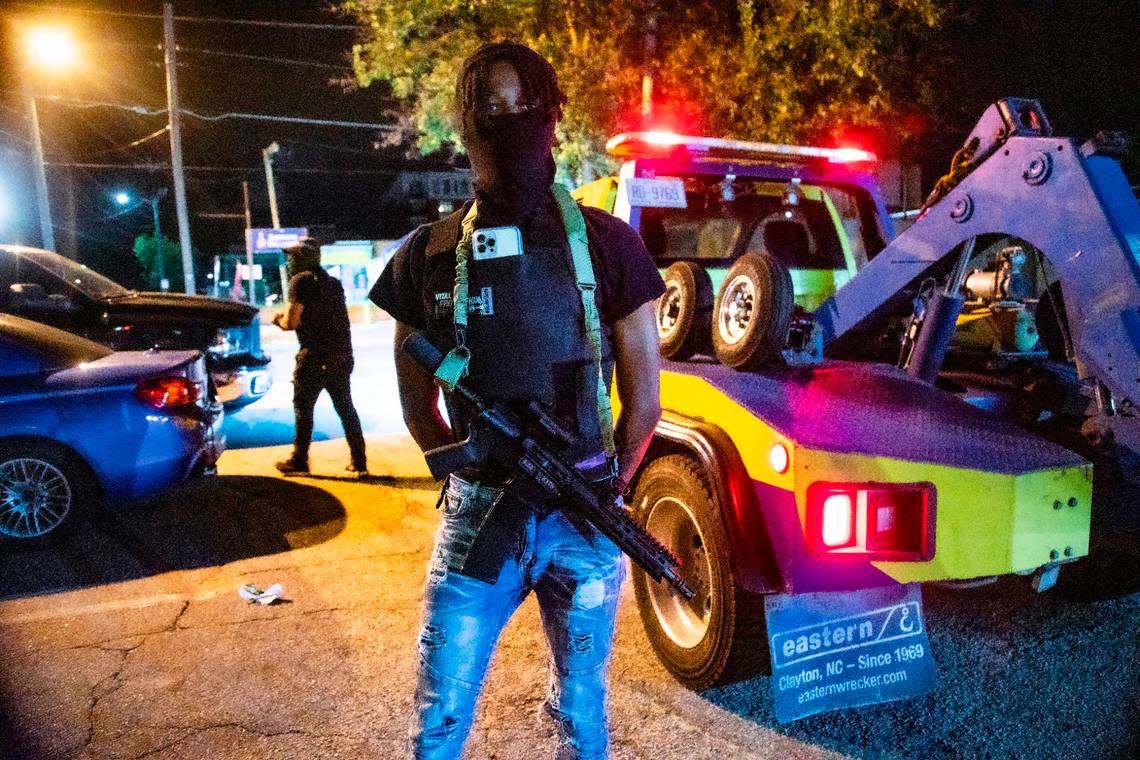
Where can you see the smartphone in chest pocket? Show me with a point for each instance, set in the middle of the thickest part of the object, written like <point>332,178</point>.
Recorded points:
<point>496,243</point>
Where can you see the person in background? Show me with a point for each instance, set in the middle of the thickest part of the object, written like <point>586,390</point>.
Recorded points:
<point>316,309</point>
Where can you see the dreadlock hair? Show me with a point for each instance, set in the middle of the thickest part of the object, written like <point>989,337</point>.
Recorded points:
<point>539,82</point>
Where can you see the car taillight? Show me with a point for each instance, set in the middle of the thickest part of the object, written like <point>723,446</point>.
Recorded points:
<point>168,392</point>
<point>886,521</point>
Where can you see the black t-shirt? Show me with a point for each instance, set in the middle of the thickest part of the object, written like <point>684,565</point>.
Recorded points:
<point>324,330</point>
<point>626,274</point>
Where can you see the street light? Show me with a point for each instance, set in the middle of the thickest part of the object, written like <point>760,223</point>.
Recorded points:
<point>123,198</point>
<point>51,49</point>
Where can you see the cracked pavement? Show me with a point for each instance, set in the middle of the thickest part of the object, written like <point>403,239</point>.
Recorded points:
<point>130,641</point>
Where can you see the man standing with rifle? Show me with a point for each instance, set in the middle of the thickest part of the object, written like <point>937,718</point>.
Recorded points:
<point>535,301</point>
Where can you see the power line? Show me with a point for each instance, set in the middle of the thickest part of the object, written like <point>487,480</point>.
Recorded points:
<point>14,137</point>
<point>291,120</point>
<point>141,110</point>
<point>17,111</point>
<point>196,19</point>
<point>266,58</point>
<point>54,141</point>
<point>118,148</point>
<point>166,167</point>
<point>146,111</point>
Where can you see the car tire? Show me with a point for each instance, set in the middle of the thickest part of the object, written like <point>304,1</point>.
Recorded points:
<point>684,311</point>
<point>45,491</point>
<point>719,637</point>
<point>752,312</point>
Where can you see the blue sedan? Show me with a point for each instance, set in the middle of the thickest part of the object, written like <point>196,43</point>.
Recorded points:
<point>80,423</point>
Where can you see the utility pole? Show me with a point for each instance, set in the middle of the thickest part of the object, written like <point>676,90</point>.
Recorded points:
<point>160,255</point>
<point>649,48</point>
<point>267,155</point>
<point>47,235</point>
<point>176,147</point>
<point>248,242</point>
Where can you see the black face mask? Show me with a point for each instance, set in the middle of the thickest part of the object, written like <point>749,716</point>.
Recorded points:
<point>510,156</point>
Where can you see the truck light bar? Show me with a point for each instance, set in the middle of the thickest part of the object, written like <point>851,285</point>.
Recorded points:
<point>648,144</point>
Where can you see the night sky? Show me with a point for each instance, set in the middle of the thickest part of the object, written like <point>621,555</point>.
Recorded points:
<point>1077,57</point>
<point>324,175</point>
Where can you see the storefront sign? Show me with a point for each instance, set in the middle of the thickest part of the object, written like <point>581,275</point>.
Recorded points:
<point>455,186</point>
<point>259,240</point>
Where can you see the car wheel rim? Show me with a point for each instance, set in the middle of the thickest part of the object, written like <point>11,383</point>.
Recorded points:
<point>736,306</point>
<point>669,309</point>
<point>684,621</point>
<point>35,497</point>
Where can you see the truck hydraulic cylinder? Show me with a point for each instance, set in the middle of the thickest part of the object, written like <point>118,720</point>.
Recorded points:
<point>938,327</point>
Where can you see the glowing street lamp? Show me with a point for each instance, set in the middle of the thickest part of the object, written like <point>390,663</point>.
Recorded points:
<point>50,48</point>
<point>122,199</point>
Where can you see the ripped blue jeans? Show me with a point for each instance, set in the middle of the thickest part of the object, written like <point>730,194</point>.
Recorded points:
<point>576,579</point>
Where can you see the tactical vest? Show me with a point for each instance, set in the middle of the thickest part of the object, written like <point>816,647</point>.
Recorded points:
<point>526,329</point>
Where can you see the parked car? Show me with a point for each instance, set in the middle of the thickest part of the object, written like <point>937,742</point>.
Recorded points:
<point>80,422</point>
<point>57,291</point>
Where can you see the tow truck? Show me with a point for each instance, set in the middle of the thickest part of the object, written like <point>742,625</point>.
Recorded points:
<point>847,411</point>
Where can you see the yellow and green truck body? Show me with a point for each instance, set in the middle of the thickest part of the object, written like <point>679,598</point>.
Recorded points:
<point>844,475</point>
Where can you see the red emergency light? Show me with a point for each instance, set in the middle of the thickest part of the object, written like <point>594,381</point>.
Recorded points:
<point>880,521</point>
<point>849,155</point>
<point>664,143</point>
<point>663,138</point>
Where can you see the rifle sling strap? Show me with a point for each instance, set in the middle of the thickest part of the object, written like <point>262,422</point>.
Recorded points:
<point>454,365</point>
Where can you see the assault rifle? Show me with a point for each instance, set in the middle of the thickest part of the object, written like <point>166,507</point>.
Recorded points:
<point>532,441</point>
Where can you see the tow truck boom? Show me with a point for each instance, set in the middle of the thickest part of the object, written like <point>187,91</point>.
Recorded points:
<point>1072,202</point>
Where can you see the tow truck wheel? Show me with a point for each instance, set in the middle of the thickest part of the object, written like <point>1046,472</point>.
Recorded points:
<point>684,311</point>
<point>719,636</point>
<point>752,312</point>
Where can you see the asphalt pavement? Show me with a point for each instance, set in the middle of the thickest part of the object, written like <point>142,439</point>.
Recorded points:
<point>129,639</point>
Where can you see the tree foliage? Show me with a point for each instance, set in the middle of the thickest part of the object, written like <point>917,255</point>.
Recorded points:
<point>148,250</point>
<point>780,70</point>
